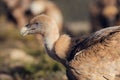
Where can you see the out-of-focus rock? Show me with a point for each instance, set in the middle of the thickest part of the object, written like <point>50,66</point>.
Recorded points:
<point>21,56</point>
<point>17,57</point>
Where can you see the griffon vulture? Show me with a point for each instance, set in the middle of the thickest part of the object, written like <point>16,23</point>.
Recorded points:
<point>95,57</point>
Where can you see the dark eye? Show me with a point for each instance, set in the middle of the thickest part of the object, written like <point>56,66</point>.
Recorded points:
<point>36,23</point>
<point>27,25</point>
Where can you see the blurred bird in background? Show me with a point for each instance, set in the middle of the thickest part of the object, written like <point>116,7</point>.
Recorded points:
<point>104,13</point>
<point>17,11</point>
<point>20,11</point>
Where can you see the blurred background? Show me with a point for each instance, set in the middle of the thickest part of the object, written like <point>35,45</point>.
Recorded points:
<point>24,58</point>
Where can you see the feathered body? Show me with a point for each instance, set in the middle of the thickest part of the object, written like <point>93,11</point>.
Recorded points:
<point>97,57</point>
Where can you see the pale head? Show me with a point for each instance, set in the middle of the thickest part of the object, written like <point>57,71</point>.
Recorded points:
<point>41,24</point>
<point>44,25</point>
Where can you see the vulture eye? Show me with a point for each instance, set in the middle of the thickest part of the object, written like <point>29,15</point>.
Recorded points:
<point>36,23</point>
<point>27,25</point>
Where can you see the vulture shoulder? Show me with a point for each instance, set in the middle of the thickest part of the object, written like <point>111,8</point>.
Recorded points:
<point>97,57</point>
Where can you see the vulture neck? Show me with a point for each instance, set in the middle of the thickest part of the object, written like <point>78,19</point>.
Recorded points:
<point>50,38</point>
<point>57,45</point>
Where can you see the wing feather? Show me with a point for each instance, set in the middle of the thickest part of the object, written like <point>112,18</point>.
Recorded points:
<point>95,38</point>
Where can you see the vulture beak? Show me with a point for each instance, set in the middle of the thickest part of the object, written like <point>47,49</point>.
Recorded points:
<point>24,31</point>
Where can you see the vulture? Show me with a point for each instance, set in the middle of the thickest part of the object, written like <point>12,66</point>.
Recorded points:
<point>93,57</point>
<point>104,13</point>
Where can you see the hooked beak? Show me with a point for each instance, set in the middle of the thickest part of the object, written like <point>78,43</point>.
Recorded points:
<point>24,31</point>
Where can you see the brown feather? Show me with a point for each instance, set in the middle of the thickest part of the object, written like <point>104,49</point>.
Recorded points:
<point>98,56</point>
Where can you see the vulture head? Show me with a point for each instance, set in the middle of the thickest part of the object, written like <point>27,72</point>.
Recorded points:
<point>44,25</point>
<point>40,25</point>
